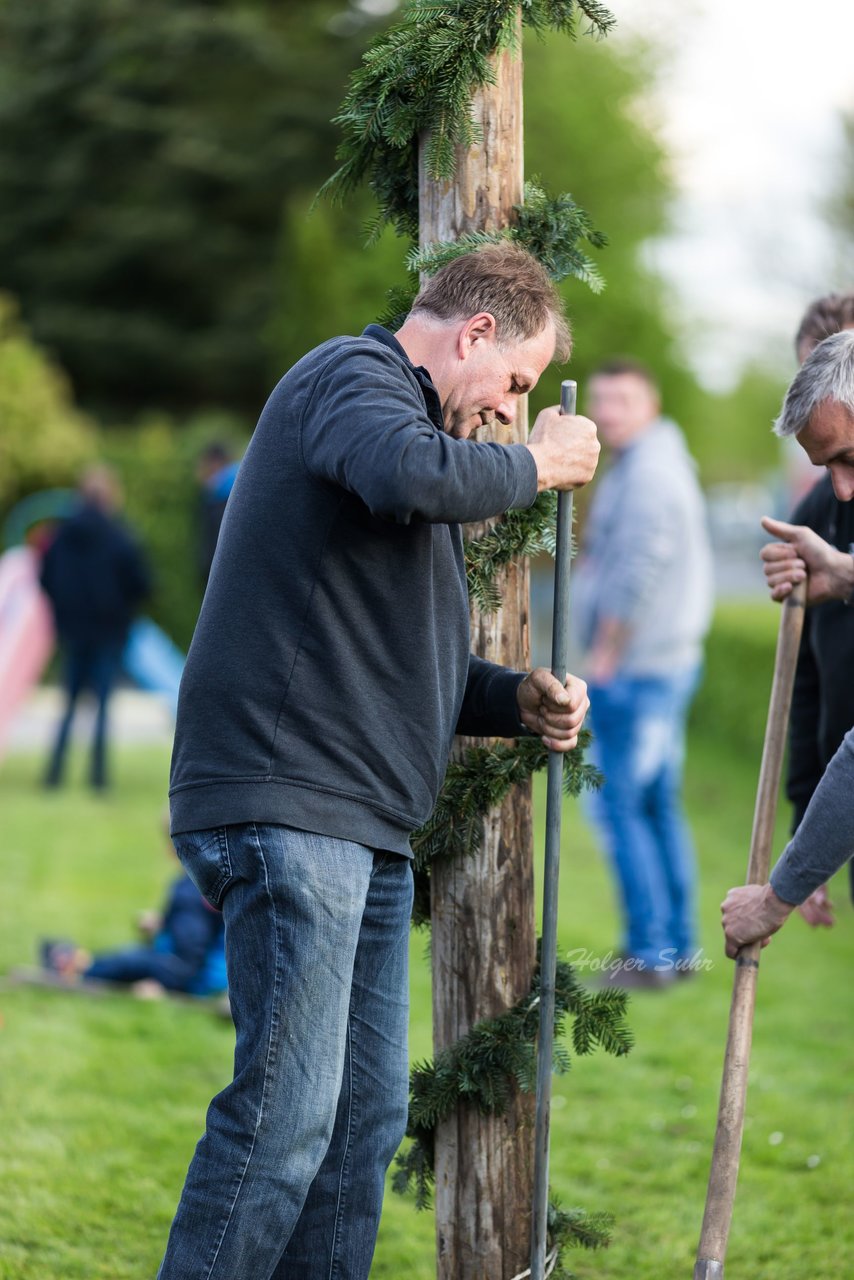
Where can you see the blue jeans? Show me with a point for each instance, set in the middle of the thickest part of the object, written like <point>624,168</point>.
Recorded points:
<point>639,727</point>
<point>287,1181</point>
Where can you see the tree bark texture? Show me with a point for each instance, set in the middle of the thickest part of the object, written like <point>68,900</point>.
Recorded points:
<point>483,938</point>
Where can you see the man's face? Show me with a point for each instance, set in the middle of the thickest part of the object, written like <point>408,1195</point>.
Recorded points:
<point>828,441</point>
<point>622,405</point>
<point>484,380</point>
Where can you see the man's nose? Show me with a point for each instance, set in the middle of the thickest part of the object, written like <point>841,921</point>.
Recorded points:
<point>843,484</point>
<point>505,412</point>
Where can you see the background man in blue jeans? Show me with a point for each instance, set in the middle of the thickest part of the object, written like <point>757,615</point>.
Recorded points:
<point>328,674</point>
<point>642,603</point>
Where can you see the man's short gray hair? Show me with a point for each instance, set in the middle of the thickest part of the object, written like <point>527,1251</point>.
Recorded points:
<point>827,374</point>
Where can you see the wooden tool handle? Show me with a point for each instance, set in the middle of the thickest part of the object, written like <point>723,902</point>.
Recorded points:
<point>720,1195</point>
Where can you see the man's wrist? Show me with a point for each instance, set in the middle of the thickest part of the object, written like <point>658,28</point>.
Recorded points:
<point>777,908</point>
<point>846,576</point>
<point>545,480</point>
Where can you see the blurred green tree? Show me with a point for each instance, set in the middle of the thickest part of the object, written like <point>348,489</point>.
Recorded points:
<point>44,440</point>
<point>145,155</point>
<point>590,129</point>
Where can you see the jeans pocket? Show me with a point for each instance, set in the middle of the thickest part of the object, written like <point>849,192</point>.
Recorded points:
<point>204,856</point>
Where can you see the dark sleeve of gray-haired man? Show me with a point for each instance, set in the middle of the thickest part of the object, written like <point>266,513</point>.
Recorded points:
<point>824,841</point>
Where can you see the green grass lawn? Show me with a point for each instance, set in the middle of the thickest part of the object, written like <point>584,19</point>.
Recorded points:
<point>102,1100</point>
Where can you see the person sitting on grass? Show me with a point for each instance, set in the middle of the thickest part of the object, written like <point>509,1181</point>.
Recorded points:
<point>182,950</point>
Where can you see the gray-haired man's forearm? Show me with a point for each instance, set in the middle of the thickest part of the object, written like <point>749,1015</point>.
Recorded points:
<point>824,841</point>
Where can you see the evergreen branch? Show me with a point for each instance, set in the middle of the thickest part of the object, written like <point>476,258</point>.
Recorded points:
<point>571,1228</point>
<point>518,533</point>
<point>419,76</point>
<point>431,258</point>
<point>397,307</point>
<point>549,227</point>
<point>486,1066</point>
<point>473,786</point>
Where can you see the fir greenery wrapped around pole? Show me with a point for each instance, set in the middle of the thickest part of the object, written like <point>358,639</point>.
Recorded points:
<point>416,88</point>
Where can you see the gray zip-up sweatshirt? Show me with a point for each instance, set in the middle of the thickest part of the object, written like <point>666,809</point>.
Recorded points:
<point>646,558</point>
<point>824,841</point>
<point>330,666</point>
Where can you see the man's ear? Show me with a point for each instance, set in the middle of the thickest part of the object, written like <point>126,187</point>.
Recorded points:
<point>479,328</point>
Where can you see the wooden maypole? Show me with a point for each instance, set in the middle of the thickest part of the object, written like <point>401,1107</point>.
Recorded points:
<point>483,937</point>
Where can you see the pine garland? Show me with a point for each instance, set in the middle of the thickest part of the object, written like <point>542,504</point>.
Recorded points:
<point>568,1228</point>
<point>473,786</point>
<point>549,227</point>
<point>420,75</point>
<point>497,1055</point>
<point>518,533</point>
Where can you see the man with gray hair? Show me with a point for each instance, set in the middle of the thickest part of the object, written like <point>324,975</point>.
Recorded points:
<point>823,695</point>
<point>819,411</point>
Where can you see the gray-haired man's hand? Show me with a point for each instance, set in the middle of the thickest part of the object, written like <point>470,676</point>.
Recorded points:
<point>802,551</point>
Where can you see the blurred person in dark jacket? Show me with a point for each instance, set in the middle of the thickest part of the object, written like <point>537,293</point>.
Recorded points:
<point>95,576</point>
<point>823,700</point>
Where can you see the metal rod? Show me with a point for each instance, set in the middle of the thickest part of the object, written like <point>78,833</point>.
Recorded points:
<point>548,948</point>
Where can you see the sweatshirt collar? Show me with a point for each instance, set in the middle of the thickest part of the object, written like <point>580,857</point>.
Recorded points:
<point>425,382</point>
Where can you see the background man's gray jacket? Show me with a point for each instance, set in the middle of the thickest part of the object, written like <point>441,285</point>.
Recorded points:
<point>330,666</point>
<point>646,559</point>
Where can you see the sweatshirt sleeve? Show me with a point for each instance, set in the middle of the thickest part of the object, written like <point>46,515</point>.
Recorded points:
<point>824,841</point>
<point>366,429</point>
<point>490,709</point>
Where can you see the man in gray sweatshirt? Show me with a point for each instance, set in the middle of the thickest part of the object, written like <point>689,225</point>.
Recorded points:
<point>329,672</point>
<point>819,411</point>
<point>642,601</point>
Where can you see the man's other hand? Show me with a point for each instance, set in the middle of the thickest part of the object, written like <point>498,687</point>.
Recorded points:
<point>565,449</point>
<point>555,711</point>
<point>750,913</point>
<point>817,909</point>
<point>802,551</point>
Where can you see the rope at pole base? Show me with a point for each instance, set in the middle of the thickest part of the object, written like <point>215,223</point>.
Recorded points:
<point>551,1261</point>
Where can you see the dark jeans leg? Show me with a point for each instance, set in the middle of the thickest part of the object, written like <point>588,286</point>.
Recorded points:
<point>74,674</point>
<point>137,964</point>
<point>103,670</point>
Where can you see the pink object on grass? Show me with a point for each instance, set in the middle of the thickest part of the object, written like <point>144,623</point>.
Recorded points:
<point>27,635</point>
